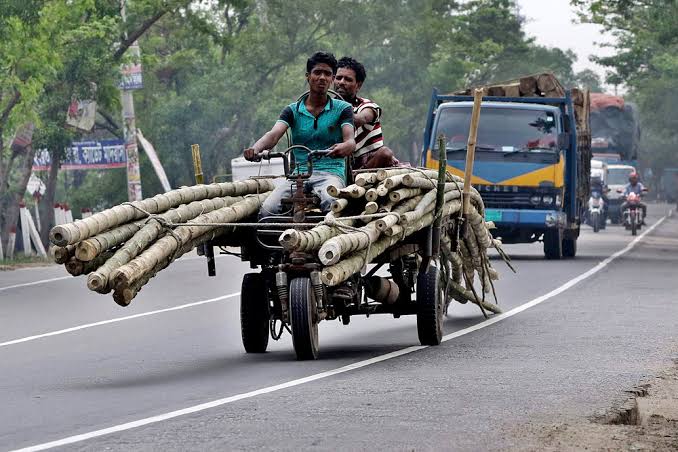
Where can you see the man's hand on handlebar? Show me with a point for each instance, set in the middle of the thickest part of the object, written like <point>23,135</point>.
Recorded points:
<point>341,150</point>
<point>252,155</point>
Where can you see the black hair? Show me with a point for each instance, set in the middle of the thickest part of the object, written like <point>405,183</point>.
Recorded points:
<point>358,68</point>
<point>319,58</point>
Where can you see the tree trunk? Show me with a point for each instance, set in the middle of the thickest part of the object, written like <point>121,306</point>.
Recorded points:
<point>47,201</point>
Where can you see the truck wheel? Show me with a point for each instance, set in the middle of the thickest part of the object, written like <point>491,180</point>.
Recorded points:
<point>553,243</point>
<point>569,247</point>
<point>303,319</point>
<point>595,221</point>
<point>430,307</point>
<point>254,314</point>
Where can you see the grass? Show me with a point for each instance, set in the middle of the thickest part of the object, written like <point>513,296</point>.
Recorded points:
<point>21,261</point>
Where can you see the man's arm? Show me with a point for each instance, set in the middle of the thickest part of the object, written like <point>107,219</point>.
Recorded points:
<point>269,140</point>
<point>347,146</point>
<point>365,116</point>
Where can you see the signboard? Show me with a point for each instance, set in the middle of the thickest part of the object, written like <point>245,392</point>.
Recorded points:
<point>131,77</point>
<point>81,115</point>
<point>103,154</point>
<point>23,137</point>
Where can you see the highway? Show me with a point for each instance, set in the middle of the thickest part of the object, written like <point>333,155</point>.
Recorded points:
<point>169,371</point>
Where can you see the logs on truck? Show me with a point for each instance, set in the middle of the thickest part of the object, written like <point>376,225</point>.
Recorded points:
<point>615,128</point>
<point>122,248</point>
<point>547,85</point>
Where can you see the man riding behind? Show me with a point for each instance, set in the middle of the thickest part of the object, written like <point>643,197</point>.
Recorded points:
<point>318,122</point>
<point>370,150</point>
<point>634,186</point>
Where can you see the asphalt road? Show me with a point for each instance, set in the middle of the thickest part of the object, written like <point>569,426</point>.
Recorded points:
<point>148,378</point>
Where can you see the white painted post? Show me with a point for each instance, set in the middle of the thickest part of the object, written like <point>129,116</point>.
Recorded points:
<point>68,215</point>
<point>2,255</point>
<point>57,214</point>
<point>37,212</point>
<point>25,231</point>
<point>11,243</point>
<point>35,235</point>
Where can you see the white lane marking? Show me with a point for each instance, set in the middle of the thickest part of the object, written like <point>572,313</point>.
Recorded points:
<point>115,320</point>
<point>33,283</point>
<point>43,281</point>
<point>340,370</point>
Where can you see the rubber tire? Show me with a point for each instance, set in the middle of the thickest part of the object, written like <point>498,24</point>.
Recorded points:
<point>302,319</point>
<point>553,244</point>
<point>254,313</point>
<point>569,247</point>
<point>634,225</point>
<point>595,221</point>
<point>430,307</point>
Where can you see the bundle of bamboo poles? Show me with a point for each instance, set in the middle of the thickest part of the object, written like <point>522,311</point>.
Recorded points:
<point>384,207</point>
<point>122,248</point>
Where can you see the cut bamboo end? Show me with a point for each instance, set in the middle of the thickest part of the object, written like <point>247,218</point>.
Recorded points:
<point>60,235</point>
<point>333,191</point>
<point>371,207</point>
<point>289,239</point>
<point>339,204</point>
<point>63,254</point>
<point>74,267</point>
<point>86,251</point>
<point>124,296</point>
<point>371,195</point>
<point>97,282</point>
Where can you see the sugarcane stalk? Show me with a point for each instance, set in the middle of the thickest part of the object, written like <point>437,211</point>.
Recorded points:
<point>71,233</point>
<point>167,246</point>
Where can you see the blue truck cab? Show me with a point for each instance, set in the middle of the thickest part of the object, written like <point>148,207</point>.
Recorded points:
<point>525,164</point>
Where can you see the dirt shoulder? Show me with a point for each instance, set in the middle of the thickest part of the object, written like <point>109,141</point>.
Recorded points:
<point>647,421</point>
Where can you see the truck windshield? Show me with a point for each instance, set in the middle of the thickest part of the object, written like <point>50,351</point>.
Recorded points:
<point>500,129</point>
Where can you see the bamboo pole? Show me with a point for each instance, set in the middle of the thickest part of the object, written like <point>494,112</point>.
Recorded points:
<point>167,246</point>
<point>71,233</point>
<point>471,149</point>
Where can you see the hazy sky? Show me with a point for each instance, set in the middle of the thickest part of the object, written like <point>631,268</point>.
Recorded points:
<point>551,23</point>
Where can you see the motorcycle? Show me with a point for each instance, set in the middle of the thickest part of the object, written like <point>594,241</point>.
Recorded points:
<point>632,215</point>
<point>596,213</point>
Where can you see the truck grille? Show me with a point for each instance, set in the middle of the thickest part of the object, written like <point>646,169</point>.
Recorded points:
<point>507,200</point>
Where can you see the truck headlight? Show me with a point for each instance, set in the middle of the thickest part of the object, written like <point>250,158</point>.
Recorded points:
<point>547,199</point>
<point>535,199</point>
<point>558,201</point>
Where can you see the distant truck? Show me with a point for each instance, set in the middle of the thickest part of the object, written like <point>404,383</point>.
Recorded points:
<point>532,162</point>
<point>615,128</point>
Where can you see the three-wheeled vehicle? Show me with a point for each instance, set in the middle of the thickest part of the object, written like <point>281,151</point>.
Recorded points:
<point>287,292</point>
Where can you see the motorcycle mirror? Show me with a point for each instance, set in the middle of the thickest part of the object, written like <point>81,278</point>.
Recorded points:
<point>619,190</point>
<point>646,189</point>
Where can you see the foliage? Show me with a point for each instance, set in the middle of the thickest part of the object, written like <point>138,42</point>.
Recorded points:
<point>646,62</point>
<point>218,72</point>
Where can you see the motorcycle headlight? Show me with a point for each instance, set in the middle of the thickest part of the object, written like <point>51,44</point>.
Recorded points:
<point>535,199</point>
<point>547,199</point>
<point>595,202</point>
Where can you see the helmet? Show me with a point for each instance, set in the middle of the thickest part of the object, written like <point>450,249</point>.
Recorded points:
<point>633,177</point>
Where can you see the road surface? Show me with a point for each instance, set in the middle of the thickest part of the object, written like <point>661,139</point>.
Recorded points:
<point>169,371</point>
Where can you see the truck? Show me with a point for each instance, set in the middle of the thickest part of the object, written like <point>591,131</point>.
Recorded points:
<point>615,129</point>
<point>533,156</point>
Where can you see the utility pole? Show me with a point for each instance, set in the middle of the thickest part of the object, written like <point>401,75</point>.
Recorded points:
<point>131,80</point>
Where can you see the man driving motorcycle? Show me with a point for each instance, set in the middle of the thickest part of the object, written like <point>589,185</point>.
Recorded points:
<point>634,186</point>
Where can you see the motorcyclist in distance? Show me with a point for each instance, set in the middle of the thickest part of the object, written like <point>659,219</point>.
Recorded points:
<point>634,186</point>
